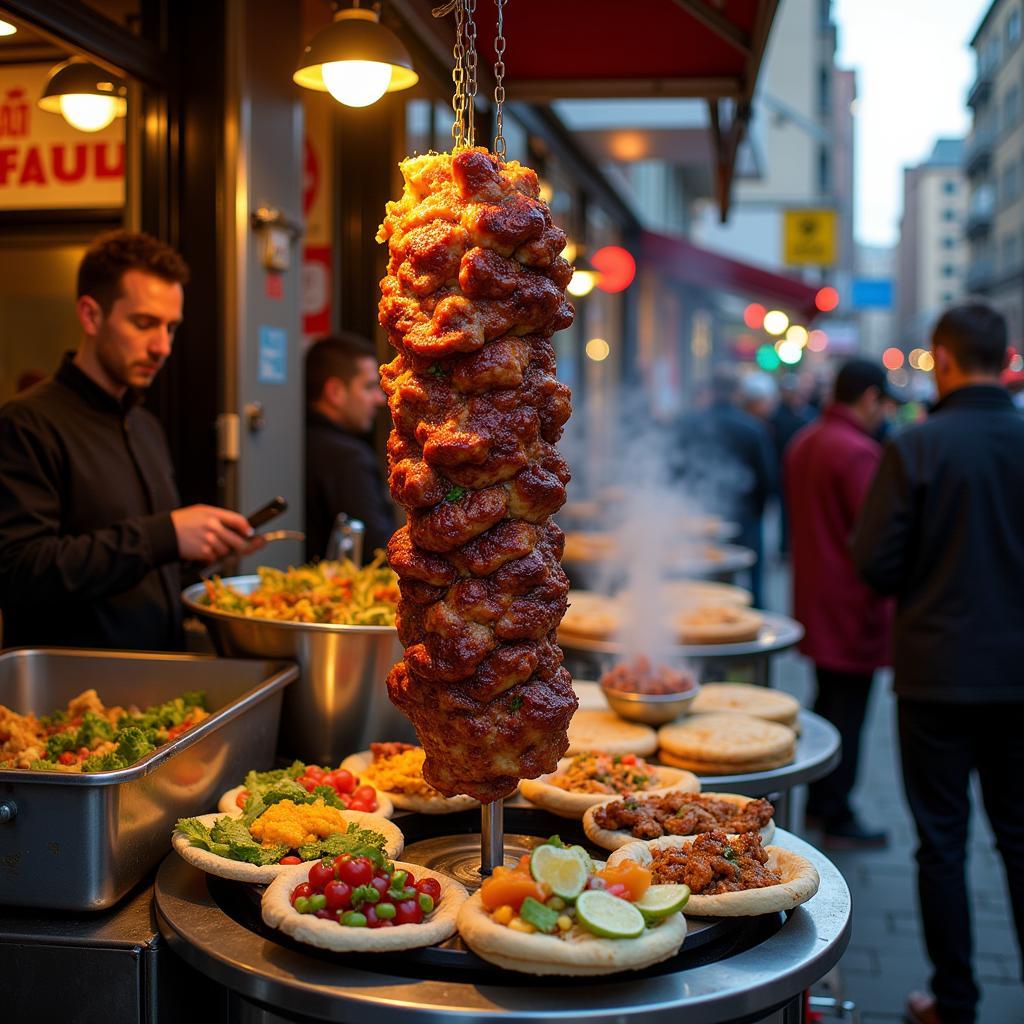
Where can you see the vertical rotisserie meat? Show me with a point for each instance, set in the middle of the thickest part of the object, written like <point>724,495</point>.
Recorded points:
<point>475,289</point>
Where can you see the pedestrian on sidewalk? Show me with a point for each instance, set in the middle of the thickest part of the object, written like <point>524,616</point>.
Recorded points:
<point>828,468</point>
<point>943,530</point>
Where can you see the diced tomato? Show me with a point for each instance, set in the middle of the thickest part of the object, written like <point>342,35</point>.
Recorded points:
<point>617,889</point>
<point>67,758</point>
<point>241,798</point>
<point>629,759</point>
<point>83,752</point>
<point>291,859</point>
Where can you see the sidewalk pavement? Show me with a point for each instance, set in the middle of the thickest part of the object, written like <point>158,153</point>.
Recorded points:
<point>886,958</point>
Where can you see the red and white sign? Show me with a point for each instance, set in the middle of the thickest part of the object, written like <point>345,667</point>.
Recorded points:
<point>47,164</point>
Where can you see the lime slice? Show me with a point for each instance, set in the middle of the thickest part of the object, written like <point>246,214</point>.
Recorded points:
<point>661,900</point>
<point>561,869</point>
<point>608,916</point>
<point>583,856</point>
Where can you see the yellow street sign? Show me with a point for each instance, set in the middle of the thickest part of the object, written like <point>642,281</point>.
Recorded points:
<point>809,238</point>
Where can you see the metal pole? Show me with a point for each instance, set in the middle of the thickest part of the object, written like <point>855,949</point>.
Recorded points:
<point>492,836</point>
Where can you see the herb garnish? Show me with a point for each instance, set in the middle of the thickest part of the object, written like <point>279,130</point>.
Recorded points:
<point>455,493</point>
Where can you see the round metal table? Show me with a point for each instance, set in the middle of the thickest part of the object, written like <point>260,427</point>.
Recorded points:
<point>778,633</point>
<point>782,957</point>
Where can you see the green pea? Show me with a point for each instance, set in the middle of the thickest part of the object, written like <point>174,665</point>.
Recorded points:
<point>302,905</point>
<point>386,911</point>
<point>317,901</point>
<point>398,880</point>
<point>426,902</point>
<point>353,919</point>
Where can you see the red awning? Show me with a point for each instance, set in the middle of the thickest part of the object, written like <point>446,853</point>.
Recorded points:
<point>689,264</point>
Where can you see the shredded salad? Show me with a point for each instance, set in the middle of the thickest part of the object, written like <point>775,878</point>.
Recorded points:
<point>334,592</point>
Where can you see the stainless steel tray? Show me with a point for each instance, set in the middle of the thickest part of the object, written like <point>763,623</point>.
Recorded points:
<point>80,842</point>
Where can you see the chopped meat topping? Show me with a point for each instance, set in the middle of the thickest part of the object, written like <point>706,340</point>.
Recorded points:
<point>682,814</point>
<point>713,864</point>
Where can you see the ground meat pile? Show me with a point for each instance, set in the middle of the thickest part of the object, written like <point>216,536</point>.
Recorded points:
<point>682,814</point>
<point>713,864</point>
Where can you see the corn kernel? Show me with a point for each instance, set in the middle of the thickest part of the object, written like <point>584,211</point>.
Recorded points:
<point>564,923</point>
<point>556,903</point>
<point>503,915</point>
<point>517,924</point>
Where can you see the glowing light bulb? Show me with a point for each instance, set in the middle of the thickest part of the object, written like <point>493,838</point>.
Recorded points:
<point>789,352</point>
<point>582,283</point>
<point>7,29</point>
<point>597,349</point>
<point>88,113</point>
<point>775,321</point>
<point>357,83</point>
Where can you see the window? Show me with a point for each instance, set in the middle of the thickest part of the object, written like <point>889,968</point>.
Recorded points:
<point>1011,108</point>
<point>1009,183</point>
<point>949,186</point>
<point>824,171</point>
<point>824,91</point>
<point>949,215</point>
<point>948,270</point>
<point>1013,28</point>
<point>949,242</point>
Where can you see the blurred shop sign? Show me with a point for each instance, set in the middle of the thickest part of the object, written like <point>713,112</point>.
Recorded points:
<point>316,290</point>
<point>809,238</point>
<point>871,293</point>
<point>843,336</point>
<point>45,163</point>
<point>272,355</point>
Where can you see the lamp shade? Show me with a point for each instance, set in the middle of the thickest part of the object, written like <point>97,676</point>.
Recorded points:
<point>88,96</point>
<point>356,50</point>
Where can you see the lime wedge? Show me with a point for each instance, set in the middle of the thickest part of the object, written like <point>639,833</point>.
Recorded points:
<point>661,900</point>
<point>608,916</point>
<point>561,869</point>
<point>583,856</point>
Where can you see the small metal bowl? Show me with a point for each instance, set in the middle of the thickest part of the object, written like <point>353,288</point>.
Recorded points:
<point>650,708</point>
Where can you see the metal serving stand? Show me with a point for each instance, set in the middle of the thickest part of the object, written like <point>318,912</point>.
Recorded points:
<point>756,969</point>
<point>710,661</point>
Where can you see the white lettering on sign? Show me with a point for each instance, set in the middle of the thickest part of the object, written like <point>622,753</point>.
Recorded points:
<point>45,163</point>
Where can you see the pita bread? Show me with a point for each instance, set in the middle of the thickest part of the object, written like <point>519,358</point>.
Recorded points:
<point>799,882</point>
<point>228,804</point>
<point>726,738</point>
<point>717,624</point>
<point>358,763</point>
<point>239,871</point>
<point>615,839</point>
<point>742,698</point>
<point>567,804</point>
<point>278,912</point>
<point>694,593</point>
<point>706,768</point>
<point>589,546</point>
<point>591,615</point>
<point>604,730</point>
<point>577,954</point>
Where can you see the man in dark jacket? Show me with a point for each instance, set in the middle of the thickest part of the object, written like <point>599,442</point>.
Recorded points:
<point>343,395</point>
<point>91,534</point>
<point>943,530</point>
<point>828,469</point>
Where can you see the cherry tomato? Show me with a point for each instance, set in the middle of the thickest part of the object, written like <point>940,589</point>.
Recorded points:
<point>314,771</point>
<point>372,920</point>
<point>357,871</point>
<point>381,885</point>
<point>67,757</point>
<point>241,798</point>
<point>410,881</point>
<point>344,781</point>
<point>324,914</point>
<point>430,887</point>
<point>302,889</point>
<point>365,793</point>
<point>357,805</point>
<point>291,859</point>
<point>308,784</point>
<point>385,924</point>
<point>408,912</point>
<point>339,895</point>
<point>320,874</point>
<point>84,751</point>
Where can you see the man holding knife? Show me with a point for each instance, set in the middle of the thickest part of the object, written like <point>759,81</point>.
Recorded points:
<point>91,535</point>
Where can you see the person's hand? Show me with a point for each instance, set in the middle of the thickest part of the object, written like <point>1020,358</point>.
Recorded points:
<point>206,533</point>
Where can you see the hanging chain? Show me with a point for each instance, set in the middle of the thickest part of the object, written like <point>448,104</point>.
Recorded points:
<point>459,79</point>
<point>470,31</point>
<point>499,80</point>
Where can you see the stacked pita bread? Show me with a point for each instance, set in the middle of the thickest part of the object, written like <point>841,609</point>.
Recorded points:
<point>742,698</point>
<point>605,731</point>
<point>726,743</point>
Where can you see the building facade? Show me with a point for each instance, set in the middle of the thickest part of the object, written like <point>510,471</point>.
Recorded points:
<point>932,255</point>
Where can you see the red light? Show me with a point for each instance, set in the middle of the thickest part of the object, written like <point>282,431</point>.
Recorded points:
<point>753,316</point>
<point>827,299</point>
<point>616,268</point>
<point>892,358</point>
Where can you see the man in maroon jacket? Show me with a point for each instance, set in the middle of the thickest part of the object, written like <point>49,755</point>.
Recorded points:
<point>827,472</point>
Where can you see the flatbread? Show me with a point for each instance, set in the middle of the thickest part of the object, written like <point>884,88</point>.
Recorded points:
<point>718,624</point>
<point>591,615</point>
<point>239,871</point>
<point>614,839</point>
<point>693,593</point>
<point>742,698</point>
<point>704,768</point>
<point>567,804</point>
<point>604,730</point>
<point>358,763</point>
<point>589,546</point>
<point>227,804</point>
<point>727,738</point>
<point>278,912</point>
<point>579,955</point>
<point>799,881</point>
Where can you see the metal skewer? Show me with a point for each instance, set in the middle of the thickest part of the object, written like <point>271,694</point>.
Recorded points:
<point>492,836</point>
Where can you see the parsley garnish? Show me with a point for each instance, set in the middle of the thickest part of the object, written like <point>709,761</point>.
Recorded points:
<point>455,493</point>
<point>516,703</point>
<point>436,370</point>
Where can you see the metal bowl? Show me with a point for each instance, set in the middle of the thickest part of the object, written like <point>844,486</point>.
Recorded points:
<point>650,708</point>
<point>339,704</point>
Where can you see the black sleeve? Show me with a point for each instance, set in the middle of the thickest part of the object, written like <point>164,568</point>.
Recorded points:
<point>37,562</point>
<point>881,538</point>
<point>357,488</point>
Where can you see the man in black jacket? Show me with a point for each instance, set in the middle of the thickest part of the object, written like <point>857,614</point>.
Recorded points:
<point>943,530</point>
<point>91,534</point>
<point>343,395</point>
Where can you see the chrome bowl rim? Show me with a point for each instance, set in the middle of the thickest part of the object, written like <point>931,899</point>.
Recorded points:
<point>190,599</point>
<point>652,698</point>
